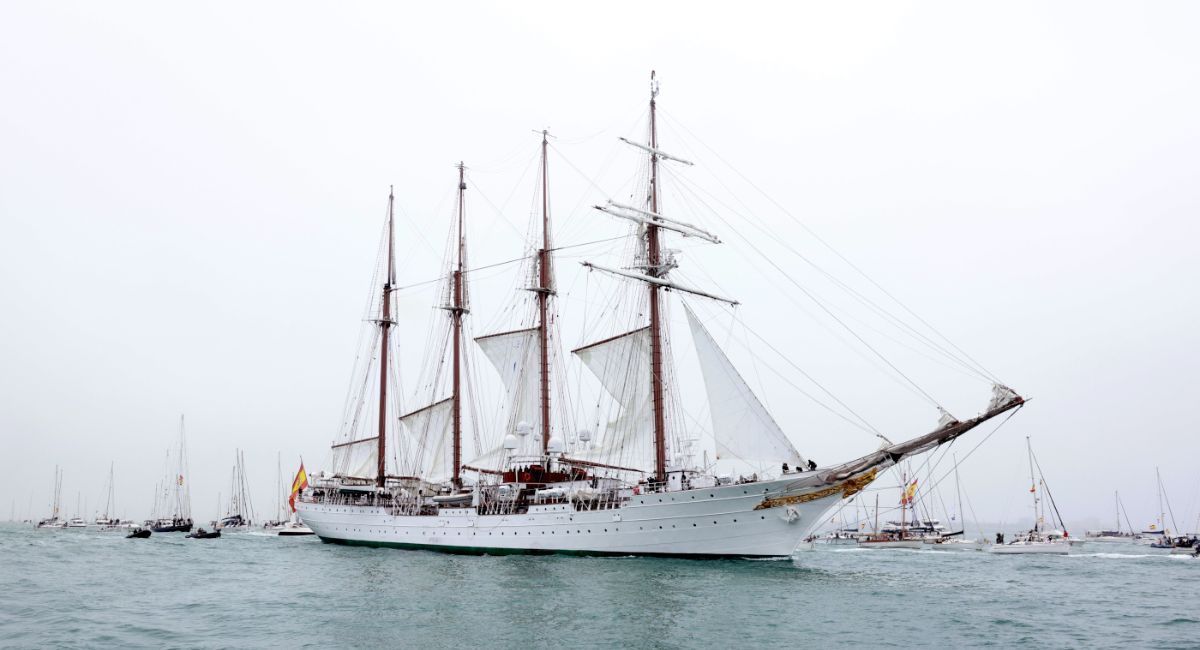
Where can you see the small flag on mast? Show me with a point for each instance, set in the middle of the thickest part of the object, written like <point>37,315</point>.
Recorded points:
<point>300,482</point>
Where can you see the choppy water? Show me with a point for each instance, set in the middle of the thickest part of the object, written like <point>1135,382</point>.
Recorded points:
<point>85,588</point>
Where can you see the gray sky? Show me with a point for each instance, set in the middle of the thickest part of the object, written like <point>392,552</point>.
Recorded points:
<point>191,203</point>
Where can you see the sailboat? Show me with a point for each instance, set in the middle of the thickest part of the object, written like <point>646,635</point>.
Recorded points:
<point>55,504</point>
<point>1157,532</point>
<point>294,527</point>
<point>105,520</point>
<point>1117,533</point>
<point>173,511</point>
<point>1038,540</point>
<point>633,487</point>
<point>281,492</point>
<point>900,535</point>
<point>1176,544</point>
<point>956,540</point>
<point>240,513</point>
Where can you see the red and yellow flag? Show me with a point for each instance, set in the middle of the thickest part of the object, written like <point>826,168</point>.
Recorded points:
<point>298,484</point>
<point>909,493</point>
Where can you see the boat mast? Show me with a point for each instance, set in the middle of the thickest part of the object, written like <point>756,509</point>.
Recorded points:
<point>962,520</point>
<point>1162,515</point>
<point>457,308</point>
<point>1117,507</point>
<point>385,326</point>
<point>1033,485</point>
<point>544,290</point>
<point>654,269</point>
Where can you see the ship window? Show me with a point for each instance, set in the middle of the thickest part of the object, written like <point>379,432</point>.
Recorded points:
<point>762,517</point>
<point>693,525</point>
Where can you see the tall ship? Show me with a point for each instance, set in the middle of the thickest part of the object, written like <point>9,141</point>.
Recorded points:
<point>428,478</point>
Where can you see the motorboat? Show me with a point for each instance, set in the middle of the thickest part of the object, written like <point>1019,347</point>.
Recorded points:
<point>138,533</point>
<point>204,534</point>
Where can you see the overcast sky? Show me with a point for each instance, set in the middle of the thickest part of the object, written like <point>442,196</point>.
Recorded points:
<point>191,202</point>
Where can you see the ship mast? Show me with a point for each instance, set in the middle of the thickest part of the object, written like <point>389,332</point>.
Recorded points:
<point>544,290</point>
<point>1033,486</point>
<point>457,308</point>
<point>385,326</point>
<point>654,269</point>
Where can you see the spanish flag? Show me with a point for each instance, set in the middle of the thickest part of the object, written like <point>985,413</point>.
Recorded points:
<point>300,483</point>
<point>909,493</point>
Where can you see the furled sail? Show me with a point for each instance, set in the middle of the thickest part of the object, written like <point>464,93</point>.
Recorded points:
<point>742,427</point>
<point>622,364</point>
<point>516,357</point>
<point>356,458</point>
<point>430,450</point>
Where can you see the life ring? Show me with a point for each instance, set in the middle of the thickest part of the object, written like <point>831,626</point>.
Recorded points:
<point>526,477</point>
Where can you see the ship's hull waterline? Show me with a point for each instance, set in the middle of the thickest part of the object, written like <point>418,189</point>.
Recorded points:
<point>761,519</point>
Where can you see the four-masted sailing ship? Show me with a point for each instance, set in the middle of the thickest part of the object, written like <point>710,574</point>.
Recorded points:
<point>633,487</point>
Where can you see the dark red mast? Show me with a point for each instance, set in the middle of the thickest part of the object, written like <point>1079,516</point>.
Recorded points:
<point>544,290</point>
<point>385,326</point>
<point>654,268</point>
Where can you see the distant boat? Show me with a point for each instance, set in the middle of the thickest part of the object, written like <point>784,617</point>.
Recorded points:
<point>1117,534</point>
<point>294,528</point>
<point>173,503</point>
<point>138,533</point>
<point>56,501</point>
<point>899,535</point>
<point>240,513</point>
<point>1037,540</point>
<point>1159,535</point>
<point>105,520</point>
<point>77,522</point>
<point>204,534</point>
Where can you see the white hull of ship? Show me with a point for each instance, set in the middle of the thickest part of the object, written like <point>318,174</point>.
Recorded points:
<point>709,522</point>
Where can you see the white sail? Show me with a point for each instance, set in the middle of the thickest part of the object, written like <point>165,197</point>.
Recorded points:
<point>742,427</point>
<point>622,364</point>
<point>516,357</point>
<point>356,458</point>
<point>430,450</point>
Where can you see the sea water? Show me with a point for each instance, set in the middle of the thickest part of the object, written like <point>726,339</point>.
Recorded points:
<point>87,588</point>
